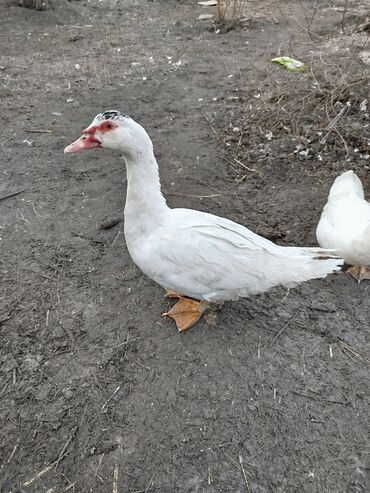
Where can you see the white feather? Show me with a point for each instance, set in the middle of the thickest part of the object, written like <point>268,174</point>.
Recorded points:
<point>211,258</point>
<point>194,253</point>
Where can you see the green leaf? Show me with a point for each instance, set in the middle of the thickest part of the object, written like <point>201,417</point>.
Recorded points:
<point>290,64</point>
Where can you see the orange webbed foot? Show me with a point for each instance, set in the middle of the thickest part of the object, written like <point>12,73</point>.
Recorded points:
<point>186,312</point>
<point>359,272</point>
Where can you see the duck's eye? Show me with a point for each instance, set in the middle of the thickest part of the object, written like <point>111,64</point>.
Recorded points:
<point>109,126</point>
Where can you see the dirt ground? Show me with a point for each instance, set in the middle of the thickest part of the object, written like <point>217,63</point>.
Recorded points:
<point>98,392</point>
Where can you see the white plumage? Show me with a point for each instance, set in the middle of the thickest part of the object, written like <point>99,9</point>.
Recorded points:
<point>345,221</point>
<point>211,258</point>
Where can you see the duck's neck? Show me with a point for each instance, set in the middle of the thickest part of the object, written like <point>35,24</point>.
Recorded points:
<point>145,204</point>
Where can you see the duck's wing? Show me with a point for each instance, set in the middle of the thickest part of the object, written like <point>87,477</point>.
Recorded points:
<point>219,259</point>
<point>228,234</point>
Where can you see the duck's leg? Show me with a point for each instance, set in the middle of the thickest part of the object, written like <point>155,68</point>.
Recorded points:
<point>186,312</point>
<point>173,294</point>
<point>359,272</point>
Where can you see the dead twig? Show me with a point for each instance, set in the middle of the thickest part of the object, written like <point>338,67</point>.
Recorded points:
<point>312,36</point>
<point>284,327</point>
<point>12,454</point>
<point>115,479</point>
<point>252,170</point>
<point>39,474</point>
<point>110,398</point>
<point>5,317</point>
<point>37,131</point>
<point>194,195</point>
<point>208,120</point>
<point>244,474</point>
<point>46,469</point>
<point>240,467</point>
<point>317,396</point>
<point>66,445</point>
<point>12,194</point>
<point>69,486</point>
<point>346,348</point>
<point>115,238</point>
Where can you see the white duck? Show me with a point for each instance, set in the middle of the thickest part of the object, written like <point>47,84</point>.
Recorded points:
<point>345,224</point>
<point>192,254</point>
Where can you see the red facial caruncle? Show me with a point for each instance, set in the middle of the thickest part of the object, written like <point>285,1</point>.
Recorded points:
<point>103,127</point>
<point>88,140</point>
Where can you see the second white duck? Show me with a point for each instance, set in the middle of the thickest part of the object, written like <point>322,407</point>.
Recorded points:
<point>345,224</point>
<point>197,257</point>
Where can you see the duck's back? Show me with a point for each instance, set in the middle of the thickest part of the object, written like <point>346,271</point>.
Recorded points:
<point>345,227</point>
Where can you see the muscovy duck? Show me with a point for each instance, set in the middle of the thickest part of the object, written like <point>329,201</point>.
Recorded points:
<point>199,258</point>
<point>345,224</point>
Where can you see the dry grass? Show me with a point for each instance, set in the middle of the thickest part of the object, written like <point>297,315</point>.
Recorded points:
<point>228,11</point>
<point>324,110</point>
<point>329,101</point>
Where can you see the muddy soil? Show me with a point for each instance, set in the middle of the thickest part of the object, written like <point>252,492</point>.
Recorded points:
<point>99,392</point>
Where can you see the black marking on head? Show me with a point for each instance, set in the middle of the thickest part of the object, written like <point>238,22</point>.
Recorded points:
<point>111,115</point>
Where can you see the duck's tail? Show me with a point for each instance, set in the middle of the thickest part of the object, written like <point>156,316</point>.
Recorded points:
<point>311,263</point>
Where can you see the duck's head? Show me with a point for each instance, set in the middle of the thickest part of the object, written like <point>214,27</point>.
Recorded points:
<point>347,183</point>
<point>113,130</point>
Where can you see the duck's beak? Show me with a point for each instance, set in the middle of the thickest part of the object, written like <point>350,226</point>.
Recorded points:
<point>85,142</point>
